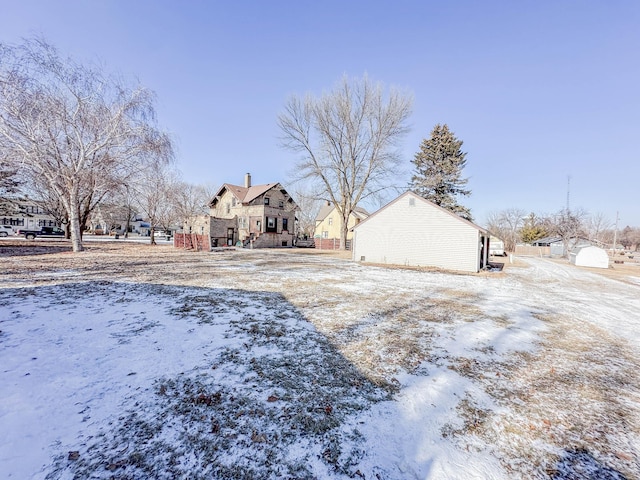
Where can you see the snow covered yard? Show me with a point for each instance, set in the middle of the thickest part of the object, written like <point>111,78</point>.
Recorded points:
<point>129,361</point>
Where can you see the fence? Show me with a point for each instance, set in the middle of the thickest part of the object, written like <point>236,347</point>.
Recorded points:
<point>330,243</point>
<point>528,250</point>
<point>192,241</point>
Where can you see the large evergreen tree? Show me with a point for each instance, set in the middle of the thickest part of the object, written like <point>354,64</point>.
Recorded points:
<point>438,171</point>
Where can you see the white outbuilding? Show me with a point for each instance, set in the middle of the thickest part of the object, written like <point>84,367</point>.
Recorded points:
<point>589,256</point>
<point>413,231</point>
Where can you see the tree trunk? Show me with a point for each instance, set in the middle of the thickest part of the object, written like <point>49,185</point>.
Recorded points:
<point>344,231</point>
<point>126,230</point>
<point>74,221</point>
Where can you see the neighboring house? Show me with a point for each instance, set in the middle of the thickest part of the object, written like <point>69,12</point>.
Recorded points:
<point>257,216</point>
<point>328,232</point>
<point>546,241</point>
<point>99,225</point>
<point>140,227</point>
<point>28,215</point>
<point>413,231</point>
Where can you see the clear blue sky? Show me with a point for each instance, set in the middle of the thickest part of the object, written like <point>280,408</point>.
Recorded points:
<point>537,90</point>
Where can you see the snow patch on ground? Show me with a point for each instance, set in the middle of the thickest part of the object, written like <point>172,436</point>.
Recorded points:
<point>304,367</point>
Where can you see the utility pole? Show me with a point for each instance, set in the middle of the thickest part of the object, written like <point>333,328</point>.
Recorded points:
<point>615,235</point>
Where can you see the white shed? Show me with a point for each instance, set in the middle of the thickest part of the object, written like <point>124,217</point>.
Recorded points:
<point>413,231</point>
<point>589,257</point>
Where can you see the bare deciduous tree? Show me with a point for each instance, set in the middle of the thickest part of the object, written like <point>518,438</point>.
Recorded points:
<point>348,141</point>
<point>568,225</point>
<point>506,225</point>
<point>309,204</point>
<point>153,192</point>
<point>597,226</point>
<point>77,129</point>
<point>190,200</point>
<point>630,237</point>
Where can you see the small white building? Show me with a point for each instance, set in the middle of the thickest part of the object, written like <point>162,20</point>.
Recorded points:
<point>589,256</point>
<point>413,231</point>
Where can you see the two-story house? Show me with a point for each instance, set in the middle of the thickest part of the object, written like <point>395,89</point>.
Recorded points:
<point>256,216</point>
<point>328,226</point>
<point>28,215</point>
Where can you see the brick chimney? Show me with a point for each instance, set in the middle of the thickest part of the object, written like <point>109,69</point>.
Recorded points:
<point>247,180</point>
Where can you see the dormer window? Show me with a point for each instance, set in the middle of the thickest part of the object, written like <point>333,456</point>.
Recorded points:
<point>266,200</point>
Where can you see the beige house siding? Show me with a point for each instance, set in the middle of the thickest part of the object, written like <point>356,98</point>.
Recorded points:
<point>331,225</point>
<point>198,224</point>
<point>327,232</point>
<point>414,232</point>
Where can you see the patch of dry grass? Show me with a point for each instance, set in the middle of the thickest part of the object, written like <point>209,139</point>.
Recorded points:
<point>572,406</point>
<point>577,394</point>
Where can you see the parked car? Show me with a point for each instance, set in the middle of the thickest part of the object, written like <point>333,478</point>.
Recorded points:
<point>46,232</point>
<point>496,247</point>
<point>305,243</point>
<point>6,230</point>
<point>162,234</point>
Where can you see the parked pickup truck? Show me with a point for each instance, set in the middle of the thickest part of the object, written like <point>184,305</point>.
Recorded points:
<point>45,232</point>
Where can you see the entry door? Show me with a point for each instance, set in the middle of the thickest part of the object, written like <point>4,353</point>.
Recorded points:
<point>229,236</point>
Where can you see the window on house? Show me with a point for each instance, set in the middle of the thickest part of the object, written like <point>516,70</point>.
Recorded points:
<point>272,224</point>
<point>325,234</point>
<point>330,221</point>
<point>281,203</point>
<point>228,208</point>
<point>233,202</point>
<point>285,224</point>
<point>266,200</point>
<point>259,225</point>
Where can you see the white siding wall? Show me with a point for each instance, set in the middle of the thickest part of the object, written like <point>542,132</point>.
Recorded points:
<point>590,257</point>
<point>417,235</point>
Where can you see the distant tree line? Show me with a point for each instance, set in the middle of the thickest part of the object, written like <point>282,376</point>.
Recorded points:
<point>515,226</point>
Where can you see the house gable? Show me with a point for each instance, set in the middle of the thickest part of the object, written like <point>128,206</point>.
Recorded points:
<point>411,230</point>
<point>329,218</point>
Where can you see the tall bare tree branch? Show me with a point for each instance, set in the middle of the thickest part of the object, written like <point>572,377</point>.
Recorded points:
<point>347,140</point>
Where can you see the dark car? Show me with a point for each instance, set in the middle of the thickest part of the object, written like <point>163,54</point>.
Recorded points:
<point>46,232</point>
